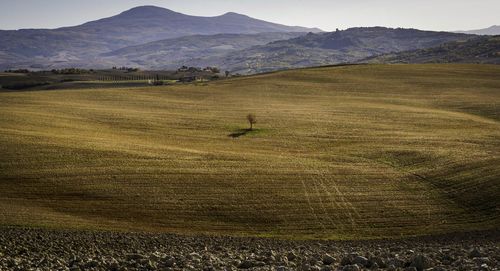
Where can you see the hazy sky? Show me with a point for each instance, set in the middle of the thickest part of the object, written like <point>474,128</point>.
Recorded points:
<point>325,14</point>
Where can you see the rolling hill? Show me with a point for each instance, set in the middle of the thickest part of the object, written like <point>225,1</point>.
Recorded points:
<point>156,38</point>
<point>346,46</point>
<point>478,50</point>
<point>173,53</point>
<point>149,23</point>
<point>351,152</point>
<point>84,43</point>
<point>492,30</point>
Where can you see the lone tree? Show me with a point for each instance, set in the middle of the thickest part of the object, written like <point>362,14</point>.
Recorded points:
<point>252,120</point>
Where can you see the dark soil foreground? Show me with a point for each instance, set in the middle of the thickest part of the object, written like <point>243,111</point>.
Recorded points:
<point>34,249</point>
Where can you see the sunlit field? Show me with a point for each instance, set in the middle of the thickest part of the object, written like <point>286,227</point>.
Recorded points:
<point>350,152</point>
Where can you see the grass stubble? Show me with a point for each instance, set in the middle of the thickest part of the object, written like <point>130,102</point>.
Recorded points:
<point>353,152</point>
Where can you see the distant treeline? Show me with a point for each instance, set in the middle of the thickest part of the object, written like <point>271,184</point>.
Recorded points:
<point>72,71</point>
<point>54,71</point>
<point>18,71</point>
<point>133,77</point>
<point>126,69</point>
<point>198,69</point>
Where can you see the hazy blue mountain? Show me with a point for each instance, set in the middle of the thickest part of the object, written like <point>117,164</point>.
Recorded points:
<point>346,46</point>
<point>492,30</point>
<point>171,53</point>
<point>157,38</point>
<point>133,27</point>
<point>148,23</point>
<point>484,49</point>
<point>273,51</point>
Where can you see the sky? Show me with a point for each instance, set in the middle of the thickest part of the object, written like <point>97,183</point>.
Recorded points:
<point>445,15</point>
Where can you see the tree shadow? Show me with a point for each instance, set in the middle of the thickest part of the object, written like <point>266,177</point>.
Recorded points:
<point>240,132</point>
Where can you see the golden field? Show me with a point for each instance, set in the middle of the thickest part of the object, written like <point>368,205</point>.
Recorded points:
<point>350,152</point>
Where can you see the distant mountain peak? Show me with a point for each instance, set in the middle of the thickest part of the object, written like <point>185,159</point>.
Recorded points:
<point>77,45</point>
<point>146,11</point>
<point>233,14</point>
<point>492,30</point>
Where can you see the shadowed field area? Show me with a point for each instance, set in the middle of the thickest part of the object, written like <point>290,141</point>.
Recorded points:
<point>339,153</point>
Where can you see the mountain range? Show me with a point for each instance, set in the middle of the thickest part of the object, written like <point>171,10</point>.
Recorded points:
<point>492,31</point>
<point>173,53</point>
<point>150,37</point>
<point>65,46</point>
<point>316,49</point>
<point>483,49</point>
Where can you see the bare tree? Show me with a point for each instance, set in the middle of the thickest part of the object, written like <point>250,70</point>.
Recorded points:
<point>252,120</point>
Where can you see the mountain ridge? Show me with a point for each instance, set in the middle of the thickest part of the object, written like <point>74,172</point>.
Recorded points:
<point>247,54</point>
<point>132,27</point>
<point>492,31</point>
<point>171,53</point>
<point>479,50</point>
<point>328,48</point>
<point>151,37</point>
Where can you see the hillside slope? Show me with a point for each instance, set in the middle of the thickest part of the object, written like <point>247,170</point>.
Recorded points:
<point>345,46</point>
<point>149,23</point>
<point>478,50</point>
<point>492,30</point>
<point>43,47</point>
<point>342,152</point>
<point>173,53</point>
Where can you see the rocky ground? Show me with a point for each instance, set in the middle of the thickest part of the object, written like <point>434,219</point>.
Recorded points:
<point>32,249</point>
